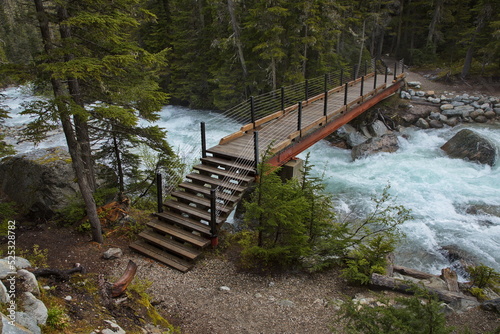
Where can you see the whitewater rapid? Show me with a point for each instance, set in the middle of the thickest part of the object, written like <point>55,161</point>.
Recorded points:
<point>438,190</point>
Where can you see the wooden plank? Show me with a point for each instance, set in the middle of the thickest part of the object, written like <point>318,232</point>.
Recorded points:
<point>189,210</point>
<point>170,245</point>
<point>179,233</point>
<point>215,182</point>
<point>224,173</point>
<point>161,256</point>
<point>185,222</point>
<point>231,137</point>
<point>269,118</point>
<point>182,195</point>
<point>230,164</point>
<point>280,146</point>
<point>314,124</point>
<point>195,188</point>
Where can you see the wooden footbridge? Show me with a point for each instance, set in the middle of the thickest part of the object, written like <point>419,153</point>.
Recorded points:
<point>189,220</point>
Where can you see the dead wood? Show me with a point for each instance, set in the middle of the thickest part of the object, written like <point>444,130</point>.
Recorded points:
<point>391,283</point>
<point>412,272</point>
<point>62,275</point>
<point>451,279</point>
<point>121,285</point>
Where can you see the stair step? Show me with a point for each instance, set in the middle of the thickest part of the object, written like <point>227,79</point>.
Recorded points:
<point>189,210</point>
<point>196,188</point>
<point>185,222</point>
<point>200,200</point>
<point>170,245</point>
<point>160,255</point>
<point>229,164</point>
<point>229,175</point>
<point>215,182</point>
<point>179,233</point>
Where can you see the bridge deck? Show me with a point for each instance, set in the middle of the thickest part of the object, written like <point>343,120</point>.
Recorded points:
<point>282,131</point>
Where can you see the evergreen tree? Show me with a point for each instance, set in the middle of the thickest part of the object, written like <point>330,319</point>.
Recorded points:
<point>91,56</point>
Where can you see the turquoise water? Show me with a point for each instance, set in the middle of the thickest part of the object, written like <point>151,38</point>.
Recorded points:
<point>437,189</point>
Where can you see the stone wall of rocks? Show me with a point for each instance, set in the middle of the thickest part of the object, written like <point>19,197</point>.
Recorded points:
<point>451,109</point>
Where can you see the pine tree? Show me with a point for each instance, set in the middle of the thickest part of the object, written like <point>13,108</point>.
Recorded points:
<point>90,56</point>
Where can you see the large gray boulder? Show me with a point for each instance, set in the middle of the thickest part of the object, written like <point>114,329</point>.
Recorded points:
<point>469,145</point>
<point>41,181</point>
<point>386,143</point>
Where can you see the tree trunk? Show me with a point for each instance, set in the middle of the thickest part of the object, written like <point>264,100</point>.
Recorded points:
<point>436,17</point>
<point>237,39</point>
<point>71,140</point>
<point>118,165</point>
<point>81,126</point>
<point>361,49</point>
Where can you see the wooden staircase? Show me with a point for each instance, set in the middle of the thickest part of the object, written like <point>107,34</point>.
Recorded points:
<point>177,236</point>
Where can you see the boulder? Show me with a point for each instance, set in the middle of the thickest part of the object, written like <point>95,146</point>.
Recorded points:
<point>386,143</point>
<point>41,181</point>
<point>6,269</point>
<point>469,145</point>
<point>4,294</point>
<point>29,281</point>
<point>112,253</point>
<point>378,129</point>
<point>436,124</point>
<point>27,321</point>
<point>491,305</point>
<point>422,123</point>
<point>8,327</point>
<point>35,308</point>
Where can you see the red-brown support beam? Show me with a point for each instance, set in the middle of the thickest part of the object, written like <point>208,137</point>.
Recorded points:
<point>290,152</point>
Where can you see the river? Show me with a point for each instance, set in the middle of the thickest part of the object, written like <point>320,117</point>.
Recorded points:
<point>438,190</point>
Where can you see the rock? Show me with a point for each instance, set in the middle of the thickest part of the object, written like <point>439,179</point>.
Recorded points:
<point>420,93</point>
<point>410,118</point>
<point>27,321</point>
<point>386,143</point>
<point>21,263</point>
<point>29,281</point>
<point>113,328</point>
<point>430,93</point>
<point>467,144</point>
<point>435,115</point>
<point>484,106</point>
<point>286,303</point>
<point>436,124</point>
<point>6,269</point>
<point>225,288</point>
<point>355,138</point>
<point>378,129</point>
<point>35,308</point>
<point>4,294</point>
<point>112,253</point>
<point>481,119</point>
<point>447,106</point>
<point>414,83</point>
<point>457,103</point>
<point>405,95</point>
<point>497,111</point>
<point>434,100</point>
<point>68,298</point>
<point>464,110</point>
<point>452,121</point>
<point>422,123</point>
<point>8,327</point>
<point>41,181</point>
<point>476,113</point>
<point>491,305</point>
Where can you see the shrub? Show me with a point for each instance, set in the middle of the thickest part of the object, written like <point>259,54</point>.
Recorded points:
<point>419,314</point>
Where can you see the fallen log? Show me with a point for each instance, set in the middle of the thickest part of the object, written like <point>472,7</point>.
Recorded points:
<point>121,285</point>
<point>62,275</point>
<point>391,283</point>
<point>412,272</point>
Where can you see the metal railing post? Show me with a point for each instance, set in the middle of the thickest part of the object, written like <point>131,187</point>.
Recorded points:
<point>299,120</point>
<point>326,82</point>
<point>203,141</point>
<point>252,110</point>
<point>213,217</point>
<point>386,73</point>
<point>325,107</point>
<point>395,70</point>
<point>283,98</point>
<point>362,85</point>
<point>159,192</point>
<point>256,151</point>
<point>345,93</point>
<point>306,95</point>
<point>375,80</point>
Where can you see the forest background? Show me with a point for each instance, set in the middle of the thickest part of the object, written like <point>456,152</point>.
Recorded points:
<point>220,52</point>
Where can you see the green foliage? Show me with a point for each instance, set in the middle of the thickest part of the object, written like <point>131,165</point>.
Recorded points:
<point>293,224</point>
<point>484,277</point>
<point>36,256</point>
<point>478,292</point>
<point>7,212</point>
<point>57,318</point>
<point>420,314</point>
